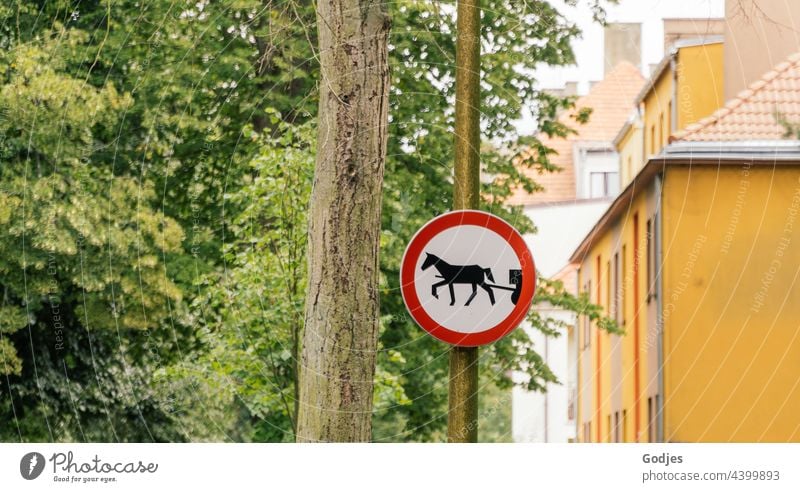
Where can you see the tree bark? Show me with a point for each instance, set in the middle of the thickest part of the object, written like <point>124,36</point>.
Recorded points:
<point>341,316</point>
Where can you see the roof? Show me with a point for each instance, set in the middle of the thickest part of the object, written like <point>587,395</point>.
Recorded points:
<point>695,155</point>
<point>665,62</point>
<point>745,129</point>
<point>756,112</point>
<point>701,41</point>
<point>633,119</point>
<point>611,101</point>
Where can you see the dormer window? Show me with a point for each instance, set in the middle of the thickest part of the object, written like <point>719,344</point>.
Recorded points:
<point>597,166</point>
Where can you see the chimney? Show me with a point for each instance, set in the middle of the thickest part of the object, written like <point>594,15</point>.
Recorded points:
<point>623,42</point>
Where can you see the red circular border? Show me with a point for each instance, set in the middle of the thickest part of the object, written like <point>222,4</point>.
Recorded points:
<point>480,219</point>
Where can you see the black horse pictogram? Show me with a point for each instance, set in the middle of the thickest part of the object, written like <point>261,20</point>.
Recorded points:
<point>459,274</point>
<point>470,274</point>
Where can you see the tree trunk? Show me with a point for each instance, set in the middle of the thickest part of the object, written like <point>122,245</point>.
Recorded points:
<point>341,318</point>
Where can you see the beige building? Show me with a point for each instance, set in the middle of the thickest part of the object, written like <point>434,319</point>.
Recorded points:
<point>759,34</point>
<point>622,43</point>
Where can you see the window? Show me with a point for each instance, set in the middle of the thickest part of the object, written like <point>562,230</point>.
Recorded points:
<point>586,322</point>
<point>650,421</point>
<point>669,122</point>
<point>656,418</point>
<point>653,139</point>
<point>571,403</point>
<point>661,131</point>
<point>597,169</point>
<point>608,287</point>
<point>599,278</point>
<point>648,239</point>
<point>630,168</point>
<point>609,430</point>
<point>624,426</point>
<point>587,432</point>
<point>624,279</point>
<point>616,287</point>
<point>603,184</point>
<point>652,261</point>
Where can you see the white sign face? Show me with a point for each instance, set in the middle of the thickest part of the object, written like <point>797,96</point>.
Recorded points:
<point>466,247</point>
<point>468,278</point>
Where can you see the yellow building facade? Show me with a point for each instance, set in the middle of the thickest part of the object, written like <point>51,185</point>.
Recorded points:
<point>618,374</point>
<point>693,260</point>
<point>685,87</point>
<point>630,147</point>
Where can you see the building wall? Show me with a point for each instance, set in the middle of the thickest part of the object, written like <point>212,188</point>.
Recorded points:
<point>759,34</point>
<point>622,42</point>
<point>543,417</point>
<point>730,307</point>
<point>620,381</point>
<point>657,108</point>
<point>700,89</point>
<point>553,243</point>
<point>624,365</point>
<point>630,149</point>
<point>686,91</point>
<point>538,417</point>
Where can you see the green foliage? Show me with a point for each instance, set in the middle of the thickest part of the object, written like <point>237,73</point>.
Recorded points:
<point>10,363</point>
<point>517,37</point>
<point>494,410</point>
<point>152,259</point>
<point>72,222</point>
<point>127,131</point>
<point>791,128</point>
<point>252,311</point>
<point>81,257</point>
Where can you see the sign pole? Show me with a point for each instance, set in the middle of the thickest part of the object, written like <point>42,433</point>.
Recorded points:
<point>462,413</point>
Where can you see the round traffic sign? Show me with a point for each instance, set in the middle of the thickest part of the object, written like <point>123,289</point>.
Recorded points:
<point>467,278</point>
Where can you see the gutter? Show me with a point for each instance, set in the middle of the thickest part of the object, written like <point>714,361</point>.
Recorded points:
<point>689,154</point>
<point>658,260</point>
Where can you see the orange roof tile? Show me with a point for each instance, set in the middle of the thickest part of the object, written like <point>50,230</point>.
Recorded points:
<point>755,112</point>
<point>611,100</point>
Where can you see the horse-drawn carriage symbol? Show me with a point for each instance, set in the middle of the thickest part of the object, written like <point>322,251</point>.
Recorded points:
<point>470,274</point>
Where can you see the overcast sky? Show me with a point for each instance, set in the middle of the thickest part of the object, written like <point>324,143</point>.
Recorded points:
<point>589,49</point>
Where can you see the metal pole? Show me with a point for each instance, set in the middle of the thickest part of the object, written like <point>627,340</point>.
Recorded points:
<point>462,413</point>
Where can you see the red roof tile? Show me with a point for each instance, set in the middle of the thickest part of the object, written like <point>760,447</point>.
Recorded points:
<point>611,100</point>
<point>755,112</point>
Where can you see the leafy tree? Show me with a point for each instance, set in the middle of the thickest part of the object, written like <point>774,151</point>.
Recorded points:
<point>149,187</point>
<point>174,86</point>
<point>412,368</point>
<point>252,311</point>
<point>517,37</point>
<point>81,258</point>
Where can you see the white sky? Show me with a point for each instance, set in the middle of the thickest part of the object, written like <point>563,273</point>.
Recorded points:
<point>589,49</point>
